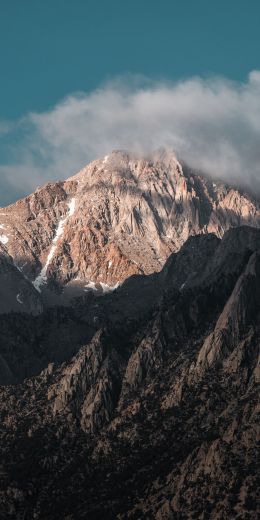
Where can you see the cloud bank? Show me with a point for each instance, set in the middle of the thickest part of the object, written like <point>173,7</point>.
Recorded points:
<point>213,124</point>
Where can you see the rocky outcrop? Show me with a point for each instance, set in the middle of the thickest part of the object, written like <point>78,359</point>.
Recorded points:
<point>88,388</point>
<point>229,343</point>
<point>146,359</point>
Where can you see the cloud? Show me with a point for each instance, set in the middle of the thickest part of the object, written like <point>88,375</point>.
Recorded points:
<point>213,124</point>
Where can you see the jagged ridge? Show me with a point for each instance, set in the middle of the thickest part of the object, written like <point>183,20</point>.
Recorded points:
<point>155,415</point>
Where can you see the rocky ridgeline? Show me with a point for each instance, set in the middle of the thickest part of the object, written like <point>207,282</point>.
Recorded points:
<point>154,414</point>
<point>119,216</point>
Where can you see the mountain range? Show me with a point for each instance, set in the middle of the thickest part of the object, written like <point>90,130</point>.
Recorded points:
<point>129,346</point>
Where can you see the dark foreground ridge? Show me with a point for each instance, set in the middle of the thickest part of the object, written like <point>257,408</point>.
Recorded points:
<point>146,404</point>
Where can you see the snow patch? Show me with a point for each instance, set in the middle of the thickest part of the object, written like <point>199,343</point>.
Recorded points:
<point>59,230</point>
<point>18,298</point>
<point>42,277</point>
<point>18,267</point>
<point>91,286</point>
<point>4,239</point>
<point>94,286</point>
<point>71,206</point>
<point>108,288</point>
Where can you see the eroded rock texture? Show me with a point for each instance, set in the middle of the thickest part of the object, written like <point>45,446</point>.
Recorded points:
<point>119,216</point>
<point>150,410</point>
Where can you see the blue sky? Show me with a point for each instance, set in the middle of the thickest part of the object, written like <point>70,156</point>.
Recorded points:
<point>52,49</point>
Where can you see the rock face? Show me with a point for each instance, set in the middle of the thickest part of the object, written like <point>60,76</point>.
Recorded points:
<point>119,216</point>
<point>152,411</point>
<point>235,322</point>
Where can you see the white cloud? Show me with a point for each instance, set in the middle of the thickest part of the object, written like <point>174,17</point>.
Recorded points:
<point>213,124</point>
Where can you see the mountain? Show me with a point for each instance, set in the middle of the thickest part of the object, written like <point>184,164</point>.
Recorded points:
<point>119,216</point>
<point>146,403</point>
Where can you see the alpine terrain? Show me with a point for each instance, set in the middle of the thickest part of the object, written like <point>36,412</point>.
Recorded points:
<point>117,217</point>
<point>129,346</point>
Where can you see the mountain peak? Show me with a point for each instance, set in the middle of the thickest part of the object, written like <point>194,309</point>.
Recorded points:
<point>121,215</point>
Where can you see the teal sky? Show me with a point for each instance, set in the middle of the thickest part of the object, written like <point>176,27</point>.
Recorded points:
<point>134,74</point>
<point>51,48</point>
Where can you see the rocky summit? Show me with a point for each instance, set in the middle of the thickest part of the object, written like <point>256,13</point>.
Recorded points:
<point>119,216</point>
<point>130,381</point>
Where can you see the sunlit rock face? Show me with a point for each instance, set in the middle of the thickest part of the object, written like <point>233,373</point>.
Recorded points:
<point>120,215</point>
